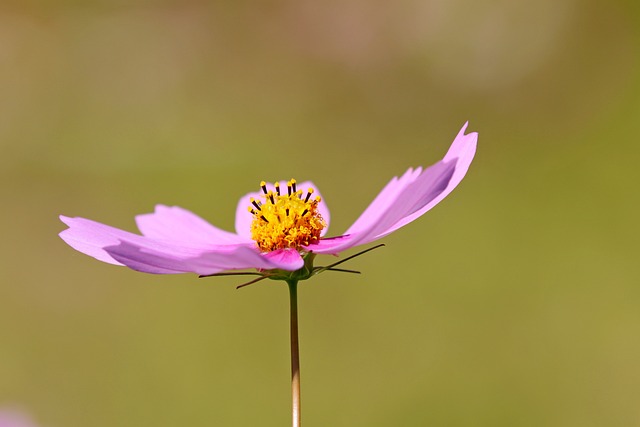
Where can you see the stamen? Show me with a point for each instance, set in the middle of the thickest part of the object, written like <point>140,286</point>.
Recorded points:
<point>265,219</point>
<point>289,188</point>
<point>309,193</point>
<point>293,185</point>
<point>263,185</point>
<point>254,203</point>
<point>271,198</point>
<point>277,185</point>
<point>304,212</point>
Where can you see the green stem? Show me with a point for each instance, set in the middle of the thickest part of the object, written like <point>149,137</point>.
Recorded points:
<point>295,352</point>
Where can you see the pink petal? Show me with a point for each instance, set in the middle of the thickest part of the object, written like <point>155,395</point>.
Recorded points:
<point>384,201</point>
<point>287,259</point>
<point>395,203</point>
<point>174,224</point>
<point>90,237</point>
<point>142,258</point>
<point>329,245</point>
<point>406,198</point>
<point>151,255</point>
<point>244,217</point>
<point>93,238</point>
<point>462,151</point>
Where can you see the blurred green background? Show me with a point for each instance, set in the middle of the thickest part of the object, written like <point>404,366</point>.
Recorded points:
<point>515,302</point>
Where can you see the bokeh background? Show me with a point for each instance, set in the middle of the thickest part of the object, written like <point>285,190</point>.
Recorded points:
<point>515,302</point>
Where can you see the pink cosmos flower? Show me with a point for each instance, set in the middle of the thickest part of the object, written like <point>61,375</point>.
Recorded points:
<point>277,229</point>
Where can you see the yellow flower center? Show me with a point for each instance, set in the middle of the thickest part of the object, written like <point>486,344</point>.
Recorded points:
<point>288,220</point>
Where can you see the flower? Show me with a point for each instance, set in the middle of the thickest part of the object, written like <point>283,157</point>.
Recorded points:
<point>277,229</point>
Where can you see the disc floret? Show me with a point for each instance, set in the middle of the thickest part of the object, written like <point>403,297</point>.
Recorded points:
<point>285,220</point>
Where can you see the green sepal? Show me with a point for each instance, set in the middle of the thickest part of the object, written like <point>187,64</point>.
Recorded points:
<point>306,272</point>
<point>303,273</point>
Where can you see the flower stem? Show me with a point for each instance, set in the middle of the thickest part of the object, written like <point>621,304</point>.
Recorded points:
<point>295,353</point>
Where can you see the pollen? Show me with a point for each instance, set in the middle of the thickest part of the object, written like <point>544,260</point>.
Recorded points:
<point>285,219</point>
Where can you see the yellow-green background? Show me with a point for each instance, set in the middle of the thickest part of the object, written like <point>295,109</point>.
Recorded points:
<point>515,302</point>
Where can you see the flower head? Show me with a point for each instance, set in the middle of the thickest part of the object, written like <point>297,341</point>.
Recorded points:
<point>277,229</point>
<point>286,220</point>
